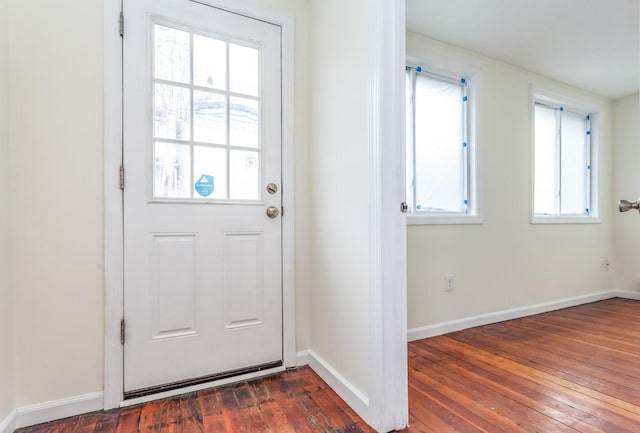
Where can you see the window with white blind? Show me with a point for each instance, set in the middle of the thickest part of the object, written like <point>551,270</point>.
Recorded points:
<point>440,154</point>
<point>563,163</point>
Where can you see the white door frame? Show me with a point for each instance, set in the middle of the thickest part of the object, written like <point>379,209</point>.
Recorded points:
<point>113,211</point>
<point>388,377</point>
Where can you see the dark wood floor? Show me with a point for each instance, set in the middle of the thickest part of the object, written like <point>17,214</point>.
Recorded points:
<point>294,401</point>
<point>573,370</point>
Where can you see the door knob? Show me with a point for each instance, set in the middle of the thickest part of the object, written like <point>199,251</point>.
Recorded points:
<point>273,211</point>
<point>625,205</point>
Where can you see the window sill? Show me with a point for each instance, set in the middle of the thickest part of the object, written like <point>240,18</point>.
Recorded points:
<point>538,219</point>
<point>450,219</point>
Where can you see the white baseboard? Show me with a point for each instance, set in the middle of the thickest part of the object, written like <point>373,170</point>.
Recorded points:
<point>57,409</point>
<point>515,313</point>
<point>349,393</point>
<point>8,425</point>
<point>628,295</point>
<point>302,358</point>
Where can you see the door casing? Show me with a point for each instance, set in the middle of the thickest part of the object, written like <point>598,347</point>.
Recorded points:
<point>113,212</point>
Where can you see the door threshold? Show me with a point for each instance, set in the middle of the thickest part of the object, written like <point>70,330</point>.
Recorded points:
<point>191,385</point>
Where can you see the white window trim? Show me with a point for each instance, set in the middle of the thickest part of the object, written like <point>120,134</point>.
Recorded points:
<point>538,94</point>
<point>474,214</point>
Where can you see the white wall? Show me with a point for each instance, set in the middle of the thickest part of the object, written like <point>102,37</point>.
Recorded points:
<point>6,299</point>
<point>626,130</point>
<point>56,82</point>
<point>506,262</point>
<point>339,187</point>
<point>55,73</point>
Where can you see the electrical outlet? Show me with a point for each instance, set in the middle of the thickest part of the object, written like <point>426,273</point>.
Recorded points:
<point>449,283</point>
<point>604,264</point>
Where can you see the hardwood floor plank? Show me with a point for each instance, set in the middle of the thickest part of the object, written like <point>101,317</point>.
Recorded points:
<point>211,410</point>
<point>191,414</point>
<point>573,329</point>
<point>573,393</point>
<point>231,411</point>
<point>107,423</point>
<point>283,396</point>
<point>128,420</point>
<point>529,396</point>
<point>589,375</point>
<point>152,417</point>
<point>443,414</point>
<point>174,417</point>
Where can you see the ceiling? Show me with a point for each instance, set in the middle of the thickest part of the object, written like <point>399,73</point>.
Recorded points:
<point>589,44</point>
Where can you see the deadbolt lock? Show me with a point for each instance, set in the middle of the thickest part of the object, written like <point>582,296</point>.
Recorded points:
<point>272,188</point>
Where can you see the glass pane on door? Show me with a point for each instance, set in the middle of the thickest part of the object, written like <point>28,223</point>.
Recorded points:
<point>172,170</point>
<point>206,115</point>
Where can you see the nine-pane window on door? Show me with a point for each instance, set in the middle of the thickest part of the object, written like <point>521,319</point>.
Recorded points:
<point>206,117</point>
<point>562,161</point>
<point>439,162</point>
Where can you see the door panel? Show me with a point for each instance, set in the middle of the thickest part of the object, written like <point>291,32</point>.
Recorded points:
<point>202,139</point>
<point>173,285</point>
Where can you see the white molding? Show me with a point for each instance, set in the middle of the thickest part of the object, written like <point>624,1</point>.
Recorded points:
<point>113,228</point>
<point>302,358</point>
<point>8,425</point>
<point>418,220</point>
<point>635,296</point>
<point>114,251</point>
<point>345,389</point>
<point>57,409</point>
<point>288,191</point>
<point>388,380</point>
<point>514,313</point>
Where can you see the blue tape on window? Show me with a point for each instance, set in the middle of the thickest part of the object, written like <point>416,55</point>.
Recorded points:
<point>588,132</point>
<point>463,81</point>
<point>466,202</point>
<point>589,167</point>
<point>418,207</point>
<point>419,69</point>
<point>587,209</point>
<point>465,98</point>
<point>588,117</point>
<point>464,144</point>
<point>406,68</point>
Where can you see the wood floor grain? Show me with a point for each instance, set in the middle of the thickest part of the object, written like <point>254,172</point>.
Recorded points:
<point>293,401</point>
<point>568,371</point>
<point>572,370</point>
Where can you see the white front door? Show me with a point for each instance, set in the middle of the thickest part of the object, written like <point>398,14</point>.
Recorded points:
<point>202,159</point>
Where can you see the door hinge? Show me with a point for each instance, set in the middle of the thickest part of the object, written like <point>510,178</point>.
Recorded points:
<point>121,23</point>
<point>282,211</point>
<point>122,331</point>
<point>122,177</point>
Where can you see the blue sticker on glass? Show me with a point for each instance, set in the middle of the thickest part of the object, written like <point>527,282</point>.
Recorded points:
<point>204,185</point>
